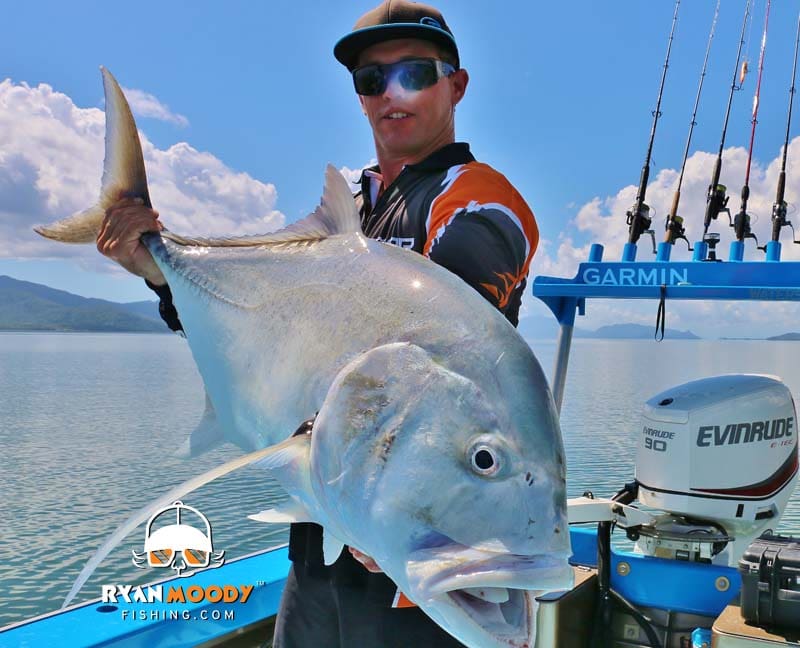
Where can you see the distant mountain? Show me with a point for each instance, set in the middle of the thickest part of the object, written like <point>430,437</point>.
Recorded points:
<point>546,328</point>
<point>786,336</point>
<point>147,309</point>
<point>634,332</point>
<point>26,306</point>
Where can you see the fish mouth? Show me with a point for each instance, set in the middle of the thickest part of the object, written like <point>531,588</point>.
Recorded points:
<point>495,592</point>
<point>509,623</point>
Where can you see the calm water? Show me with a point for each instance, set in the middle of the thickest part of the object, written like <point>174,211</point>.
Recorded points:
<point>89,424</point>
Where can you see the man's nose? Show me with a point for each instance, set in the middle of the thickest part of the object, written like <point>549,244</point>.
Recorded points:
<point>393,87</point>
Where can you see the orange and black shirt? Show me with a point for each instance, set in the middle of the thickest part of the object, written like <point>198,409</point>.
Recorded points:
<point>461,214</point>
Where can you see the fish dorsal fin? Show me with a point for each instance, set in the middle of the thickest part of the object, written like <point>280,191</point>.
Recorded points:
<point>336,214</point>
<point>331,547</point>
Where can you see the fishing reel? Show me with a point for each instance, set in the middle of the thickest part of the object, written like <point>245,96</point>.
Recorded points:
<point>639,222</point>
<point>779,212</point>
<point>675,230</point>
<point>741,222</point>
<point>716,202</point>
<point>741,227</point>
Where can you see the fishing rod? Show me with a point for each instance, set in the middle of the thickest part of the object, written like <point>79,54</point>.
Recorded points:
<point>716,199</point>
<point>674,226</point>
<point>779,207</point>
<point>639,215</point>
<point>741,222</point>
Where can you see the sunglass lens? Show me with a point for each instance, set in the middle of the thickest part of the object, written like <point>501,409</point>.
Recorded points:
<point>369,80</point>
<point>160,557</point>
<point>195,557</point>
<point>417,75</point>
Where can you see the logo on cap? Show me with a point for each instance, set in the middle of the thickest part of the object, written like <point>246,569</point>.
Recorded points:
<point>432,22</point>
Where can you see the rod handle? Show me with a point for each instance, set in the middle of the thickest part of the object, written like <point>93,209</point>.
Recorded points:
<point>781,187</point>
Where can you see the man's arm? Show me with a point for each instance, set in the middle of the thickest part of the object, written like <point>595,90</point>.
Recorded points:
<point>120,240</point>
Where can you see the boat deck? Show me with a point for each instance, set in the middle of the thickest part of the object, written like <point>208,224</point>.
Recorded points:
<point>731,631</point>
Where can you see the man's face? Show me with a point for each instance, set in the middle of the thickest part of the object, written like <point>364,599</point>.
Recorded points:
<point>411,124</point>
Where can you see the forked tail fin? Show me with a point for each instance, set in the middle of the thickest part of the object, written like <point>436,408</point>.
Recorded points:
<point>123,171</point>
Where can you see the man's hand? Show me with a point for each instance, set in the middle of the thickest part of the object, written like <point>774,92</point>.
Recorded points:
<point>365,560</point>
<point>126,220</point>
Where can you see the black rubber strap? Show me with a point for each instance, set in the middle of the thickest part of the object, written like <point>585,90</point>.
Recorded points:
<point>661,315</point>
<point>165,306</point>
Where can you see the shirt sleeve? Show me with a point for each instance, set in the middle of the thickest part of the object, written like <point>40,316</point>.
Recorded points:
<point>481,229</point>
<point>166,308</point>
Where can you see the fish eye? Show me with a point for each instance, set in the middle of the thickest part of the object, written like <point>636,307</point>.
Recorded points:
<point>483,460</point>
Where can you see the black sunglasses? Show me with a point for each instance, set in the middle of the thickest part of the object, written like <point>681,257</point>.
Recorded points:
<point>413,74</point>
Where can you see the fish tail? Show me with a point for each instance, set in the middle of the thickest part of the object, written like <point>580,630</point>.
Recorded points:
<point>123,171</point>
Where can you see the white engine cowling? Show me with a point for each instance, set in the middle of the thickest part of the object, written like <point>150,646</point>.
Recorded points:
<point>722,449</point>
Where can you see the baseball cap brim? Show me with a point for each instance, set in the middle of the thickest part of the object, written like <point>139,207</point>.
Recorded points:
<point>349,47</point>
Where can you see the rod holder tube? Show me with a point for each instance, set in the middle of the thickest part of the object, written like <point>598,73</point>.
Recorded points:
<point>629,252</point>
<point>663,252</point>
<point>561,364</point>
<point>700,251</point>
<point>736,251</point>
<point>595,253</point>
<point>773,250</point>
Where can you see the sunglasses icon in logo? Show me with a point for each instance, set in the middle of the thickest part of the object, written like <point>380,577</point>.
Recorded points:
<point>179,546</point>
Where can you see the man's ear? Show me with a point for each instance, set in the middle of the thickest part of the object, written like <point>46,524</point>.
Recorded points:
<point>459,81</point>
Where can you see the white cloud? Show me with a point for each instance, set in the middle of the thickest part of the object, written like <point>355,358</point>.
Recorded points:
<point>51,159</point>
<point>143,104</point>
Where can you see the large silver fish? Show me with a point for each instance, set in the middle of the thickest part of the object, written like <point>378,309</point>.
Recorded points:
<point>437,448</point>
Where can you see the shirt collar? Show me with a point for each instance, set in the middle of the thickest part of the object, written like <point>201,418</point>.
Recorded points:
<point>444,158</point>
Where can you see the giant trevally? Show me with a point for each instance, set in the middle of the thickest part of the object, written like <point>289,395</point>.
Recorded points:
<point>436,448</point>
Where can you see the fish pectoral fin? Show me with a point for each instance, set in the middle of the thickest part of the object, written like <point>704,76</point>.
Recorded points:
<point>289,464</point>
<point>151,509</point>
<point>331,547</point>
<point>288,455</point>
<point>287,512</point>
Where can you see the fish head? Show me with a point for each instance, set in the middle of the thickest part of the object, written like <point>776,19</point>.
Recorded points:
<point>420,467</point>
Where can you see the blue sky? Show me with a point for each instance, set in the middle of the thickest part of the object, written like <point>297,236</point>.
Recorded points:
<point>560,100</point>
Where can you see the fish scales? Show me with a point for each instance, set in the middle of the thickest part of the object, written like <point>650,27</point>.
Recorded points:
<point>279,301</point>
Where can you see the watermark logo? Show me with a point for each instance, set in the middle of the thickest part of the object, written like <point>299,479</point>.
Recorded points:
<point>183,547</point>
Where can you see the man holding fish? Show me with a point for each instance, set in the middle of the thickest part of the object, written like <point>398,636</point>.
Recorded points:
<point>428,194</point>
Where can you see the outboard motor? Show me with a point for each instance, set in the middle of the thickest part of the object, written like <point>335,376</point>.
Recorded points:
<point>719,458</point>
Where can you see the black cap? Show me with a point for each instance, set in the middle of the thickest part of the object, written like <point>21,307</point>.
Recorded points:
<point>394,19</point>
